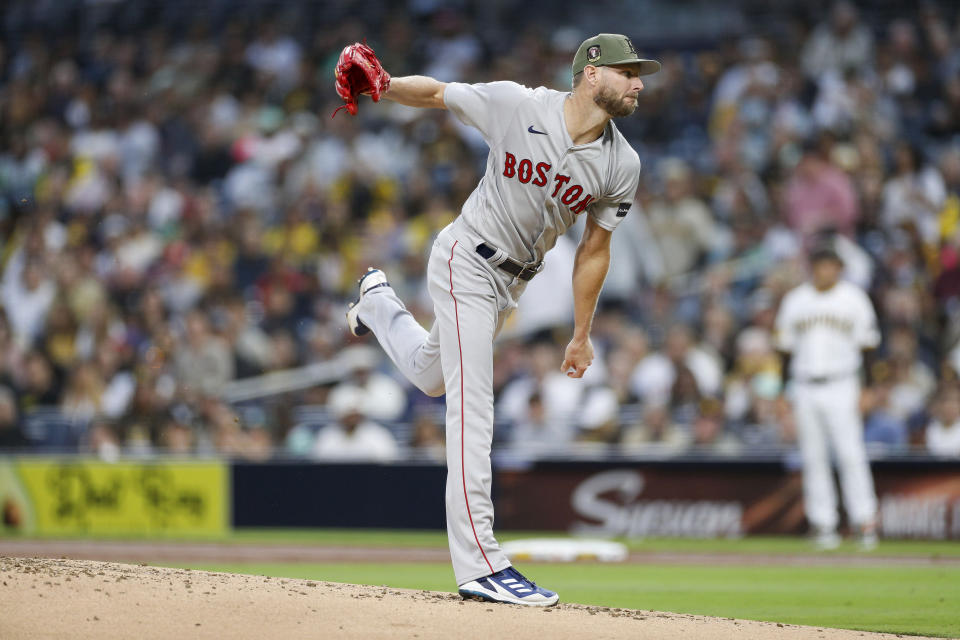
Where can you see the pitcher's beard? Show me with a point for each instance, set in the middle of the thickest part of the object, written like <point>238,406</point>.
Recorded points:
<point>615,106</point>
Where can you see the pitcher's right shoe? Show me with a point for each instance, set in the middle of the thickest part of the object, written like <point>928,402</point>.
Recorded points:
<point>372,279</point>
<point>511,587</point>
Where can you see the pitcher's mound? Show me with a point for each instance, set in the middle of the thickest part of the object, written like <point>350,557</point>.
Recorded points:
<point>44,598</point>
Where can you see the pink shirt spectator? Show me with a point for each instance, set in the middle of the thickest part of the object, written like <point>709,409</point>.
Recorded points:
<point>818,196</point>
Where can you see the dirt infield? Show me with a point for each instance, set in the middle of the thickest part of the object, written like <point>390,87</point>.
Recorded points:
<point>47,598</point>
<point>211,552</point>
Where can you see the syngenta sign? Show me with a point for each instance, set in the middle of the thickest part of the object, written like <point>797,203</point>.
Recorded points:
<point>609,502</point>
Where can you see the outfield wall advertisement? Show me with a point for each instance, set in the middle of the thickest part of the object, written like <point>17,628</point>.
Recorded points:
<point>675,498</point>
<point>713,500</point>
<point>50,496</point>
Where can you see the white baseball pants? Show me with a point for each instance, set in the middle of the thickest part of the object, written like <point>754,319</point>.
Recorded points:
<point>828,417</point>
<point>471,302</point>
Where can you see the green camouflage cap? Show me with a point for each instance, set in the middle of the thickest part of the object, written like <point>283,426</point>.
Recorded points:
<point>607,49</point>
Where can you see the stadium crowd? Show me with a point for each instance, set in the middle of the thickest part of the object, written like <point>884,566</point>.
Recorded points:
<point>179,212</point>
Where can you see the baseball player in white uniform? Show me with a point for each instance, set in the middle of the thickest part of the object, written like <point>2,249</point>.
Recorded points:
<point>554,156</point>
<point>824,325</point>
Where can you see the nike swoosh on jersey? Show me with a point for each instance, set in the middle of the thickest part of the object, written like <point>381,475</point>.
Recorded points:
<point>532,130</point>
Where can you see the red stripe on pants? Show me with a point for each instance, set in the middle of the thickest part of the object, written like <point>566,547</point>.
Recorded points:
<point>463,473</point>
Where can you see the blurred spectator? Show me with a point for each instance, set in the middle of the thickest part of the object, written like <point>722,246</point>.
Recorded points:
<point>600,418</point>
<point>83,396</point>
<point>203,361</point>
<point>250,344</point>
<point>719,326</point>
<point>175,436</point>
<point>452,48</point>
<point>559,396</point>
<point>858,266</point>
<point>756,373</point>
<point>229,436</point>
<point>383,397</point>
<point>9,352</point>
<point>680,222</point>
<point>534,434</point>
<point>704,365</point>
<point>945,111</point>
<point>953,361</point>
<point>276,56</point>
<point>27,296</point>
<point>103,442</point>
<point>11,437</point>
<point>882,426</point>
<point>118,380</point>
<point>685,397</point>
<point>943,432</point>
<point>656,433</point>
<point>914,195</point>
<point>709,433</point>
<point>653,375</point>
<point>38,385</point>
<point>428,437</point>
<point>839,44</point>
<point>353,436</point>
<point>819,196</point>
<point>911,380</point>
<point>299,440</point>
<point>744,102</point>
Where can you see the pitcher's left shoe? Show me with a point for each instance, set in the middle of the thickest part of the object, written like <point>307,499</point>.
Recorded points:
<point>509,586</point>
<point>372,279</point>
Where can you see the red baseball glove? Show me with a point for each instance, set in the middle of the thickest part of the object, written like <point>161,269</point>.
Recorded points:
<point>359,71</point>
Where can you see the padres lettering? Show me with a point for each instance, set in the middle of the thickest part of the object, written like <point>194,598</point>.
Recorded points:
<point>525,170</point>
<point>843,325</point>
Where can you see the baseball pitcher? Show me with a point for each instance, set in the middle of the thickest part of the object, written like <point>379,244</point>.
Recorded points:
<point>554,156</point>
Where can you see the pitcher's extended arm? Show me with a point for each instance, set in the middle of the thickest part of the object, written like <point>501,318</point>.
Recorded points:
<point>417,91</point>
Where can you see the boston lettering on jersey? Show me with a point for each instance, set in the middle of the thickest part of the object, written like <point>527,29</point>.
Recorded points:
<point>536,174</point>
<point>842,325</point>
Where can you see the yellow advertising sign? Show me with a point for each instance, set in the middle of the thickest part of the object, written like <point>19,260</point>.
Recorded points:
<point>54,496</point>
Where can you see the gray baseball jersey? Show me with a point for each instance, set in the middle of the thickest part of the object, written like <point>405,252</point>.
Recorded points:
<point>537,181</point>
<point>536,184</point>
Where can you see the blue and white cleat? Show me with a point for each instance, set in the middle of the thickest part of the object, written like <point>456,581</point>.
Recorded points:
<point>372,279</point>
<point>511,587</point>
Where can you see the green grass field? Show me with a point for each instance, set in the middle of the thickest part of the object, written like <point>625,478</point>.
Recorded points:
<point>916,600</point>
<point>438,539</point>
<point>751,545</point>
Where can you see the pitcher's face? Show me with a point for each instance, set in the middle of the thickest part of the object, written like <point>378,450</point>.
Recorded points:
<point>619,90</point>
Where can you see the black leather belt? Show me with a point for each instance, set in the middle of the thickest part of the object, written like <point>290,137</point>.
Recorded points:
<point>825,379</point>
<point>513,267</point>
